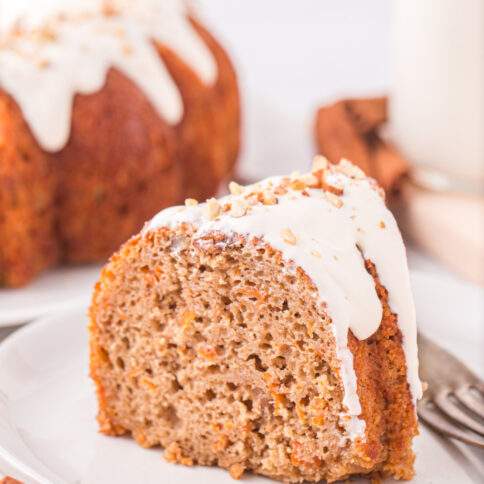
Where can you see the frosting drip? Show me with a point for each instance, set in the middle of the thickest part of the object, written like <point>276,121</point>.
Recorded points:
<point>43,67</point>
<point>329,237</point>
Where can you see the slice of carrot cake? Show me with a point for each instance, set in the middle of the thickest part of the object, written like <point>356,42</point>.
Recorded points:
<point>270,331</point>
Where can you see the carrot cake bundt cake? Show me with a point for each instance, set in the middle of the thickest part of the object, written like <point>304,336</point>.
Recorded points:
<point>271,331</point>
<point>109,111</point>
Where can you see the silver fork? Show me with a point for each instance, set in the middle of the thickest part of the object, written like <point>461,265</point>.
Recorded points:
<point>453,403</point>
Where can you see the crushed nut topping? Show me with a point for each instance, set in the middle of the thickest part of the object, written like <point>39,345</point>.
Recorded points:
<point>191,202</point>
<point>315,253</point>
<point>320,162</point>
<point>235,188</point>
<point>382,224</point>
<point>46,34</point>
<point>212,209</point>
<point>288,236</point>
<point>297,184</point>
<point>270,200</point>
<point>347,168</point>
<point>267,198</point>
<point>280,190</point>
<point>328,187</point>
<point>238,209</point>
<point>334,199</point>
<point>310,180</point>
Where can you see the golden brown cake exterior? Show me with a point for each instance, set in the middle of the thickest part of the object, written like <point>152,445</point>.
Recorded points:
<point>122,163</point>
<point>213,345</point>
<point>28,241</point>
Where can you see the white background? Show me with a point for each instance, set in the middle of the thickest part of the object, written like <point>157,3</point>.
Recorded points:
<point>314,51</point>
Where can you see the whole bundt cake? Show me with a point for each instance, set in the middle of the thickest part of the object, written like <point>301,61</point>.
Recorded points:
<point>109,112</point>
<point>272,331</point>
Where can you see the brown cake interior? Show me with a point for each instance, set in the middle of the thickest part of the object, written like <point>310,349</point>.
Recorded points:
<point>219,351</point>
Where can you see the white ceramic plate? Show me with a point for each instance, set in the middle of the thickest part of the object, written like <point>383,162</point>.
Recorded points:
<point>48,431</point>
<point>54,290</point>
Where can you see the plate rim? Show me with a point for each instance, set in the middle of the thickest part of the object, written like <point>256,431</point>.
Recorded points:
<point>18,316</point>
<point>77,312</point>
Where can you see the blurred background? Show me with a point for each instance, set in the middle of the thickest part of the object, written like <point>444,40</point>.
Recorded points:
<point>290,56</point>
<point>426,55</point>
<point>294,56</point>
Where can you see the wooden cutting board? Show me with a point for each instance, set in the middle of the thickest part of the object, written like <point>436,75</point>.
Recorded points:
<point>447,226</point>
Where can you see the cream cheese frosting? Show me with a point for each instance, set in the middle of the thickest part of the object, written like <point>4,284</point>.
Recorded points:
<point>43,67</point>
<point>329,237</point>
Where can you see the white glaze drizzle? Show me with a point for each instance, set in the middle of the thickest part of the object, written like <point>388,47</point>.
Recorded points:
<point>43,68</point>
<point>362,228</point>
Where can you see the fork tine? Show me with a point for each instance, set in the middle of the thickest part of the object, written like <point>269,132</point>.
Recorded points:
<point>432,417</point>
<point>445,404</point>
<point>472,403</point>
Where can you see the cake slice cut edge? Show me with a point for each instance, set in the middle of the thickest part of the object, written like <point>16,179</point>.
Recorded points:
<point>212,336</point>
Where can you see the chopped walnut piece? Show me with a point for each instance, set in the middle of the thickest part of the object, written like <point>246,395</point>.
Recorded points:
<point>334,199</point>
<point>235,188</point>
<point>320,162</point>
<point>327,187</point>
<point>236,471</point>
<point>238,209</point>
<point>47,34</point>
<point>269,199</point>
<point>191,202</point>
<point>266,198</point>
<point>212,209</point>
<point>382,224</point>
<point>310,180</point>
<point>280,190</point>
<point>288,236</point>
<point>284,182</point>
<point>346,167</point>
<point>297,184</point>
